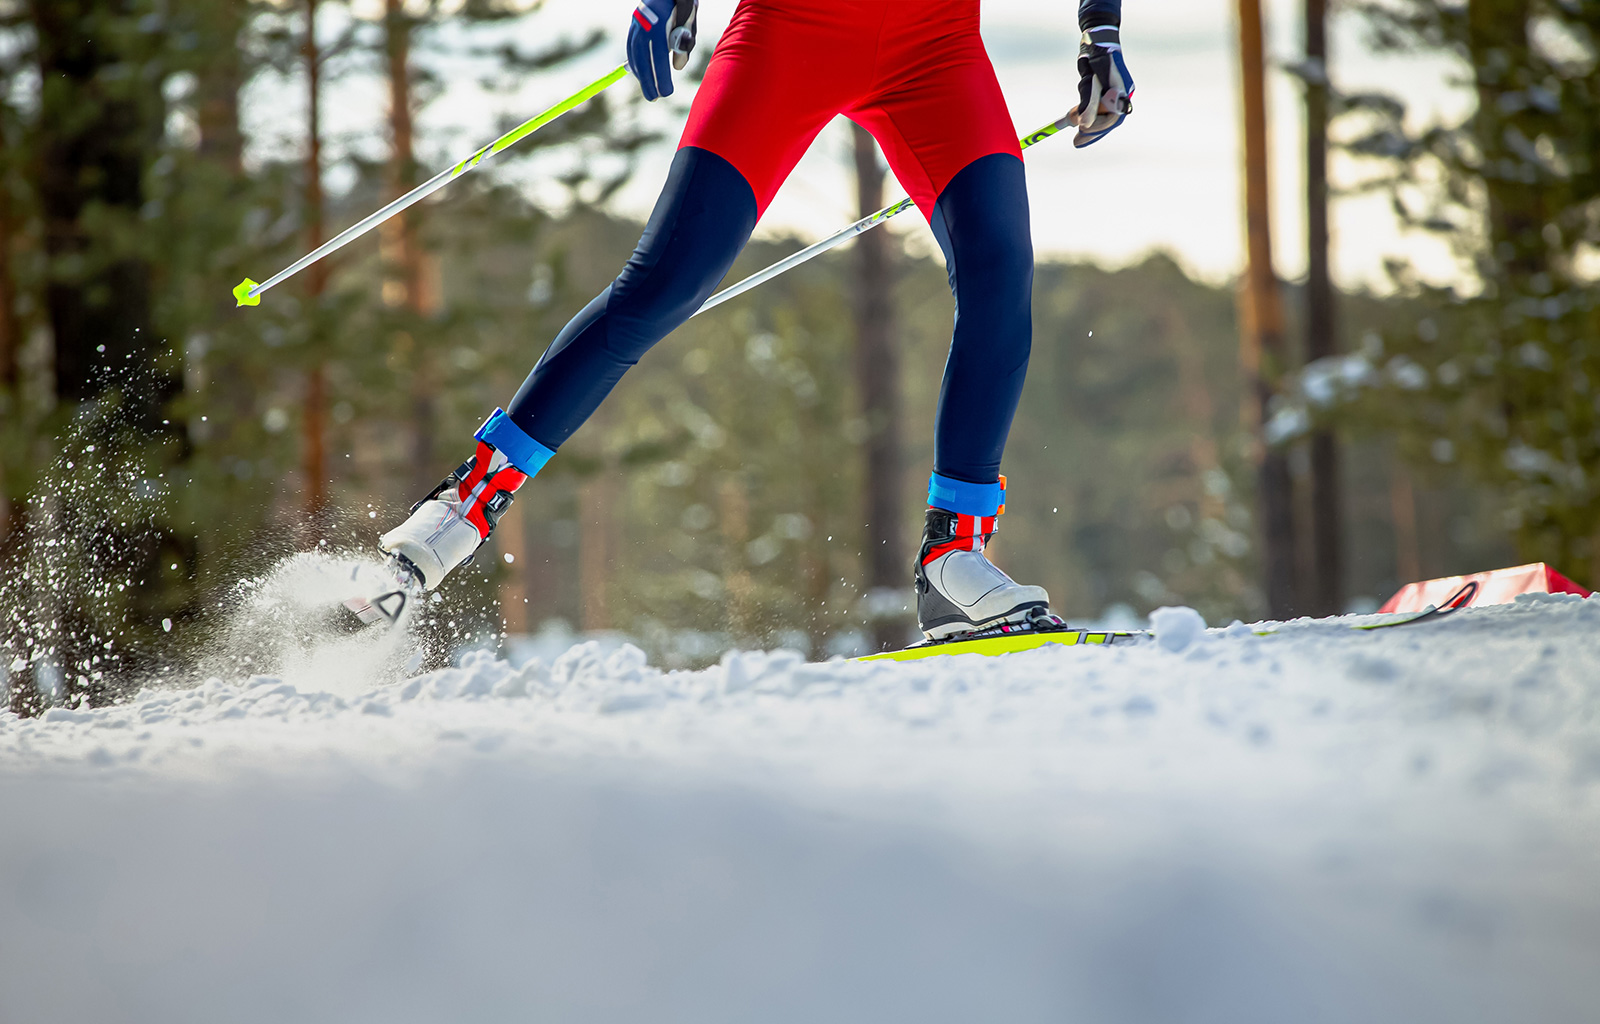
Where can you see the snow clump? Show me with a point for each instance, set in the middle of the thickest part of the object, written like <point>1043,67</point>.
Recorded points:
<point>1176,628</point>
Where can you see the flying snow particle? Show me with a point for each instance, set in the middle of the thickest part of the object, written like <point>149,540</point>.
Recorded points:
<point>166,625</point>
<point>510,558</point>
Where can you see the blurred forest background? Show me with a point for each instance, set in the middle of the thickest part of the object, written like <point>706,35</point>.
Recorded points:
<point>157,445</point>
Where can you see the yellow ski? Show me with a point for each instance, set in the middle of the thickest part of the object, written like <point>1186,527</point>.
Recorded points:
<point>1007,643</point>
<point>1002,641</point>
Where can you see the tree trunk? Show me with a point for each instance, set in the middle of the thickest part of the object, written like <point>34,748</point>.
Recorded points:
<point>313,419</point>
<point>221,78</point>
<point>1403,513</point>
<point>215,374</point>
<point>1262,328</point>
<point>408,287</point>
<point>402,158</point>
<point>877,358</point>
<point>1326,512</point>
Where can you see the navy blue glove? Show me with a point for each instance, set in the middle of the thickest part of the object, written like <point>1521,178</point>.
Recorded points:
<point>1105,89</point>
<point>660,30</point>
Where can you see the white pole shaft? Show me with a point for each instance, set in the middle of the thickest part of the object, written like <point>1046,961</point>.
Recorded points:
<point>437,182</point>
<point>840,237</point>
<point>795,259</point>
<point>358,229</point>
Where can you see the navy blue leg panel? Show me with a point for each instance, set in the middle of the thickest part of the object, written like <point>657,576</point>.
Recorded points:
<point>981,222</point>
<point>703,218</point>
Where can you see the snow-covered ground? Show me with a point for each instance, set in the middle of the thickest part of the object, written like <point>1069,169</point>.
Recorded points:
<point>1323,825</point>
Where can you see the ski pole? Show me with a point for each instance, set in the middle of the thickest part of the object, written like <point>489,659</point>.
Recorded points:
<point>248,293</point>
<point>839,237</point>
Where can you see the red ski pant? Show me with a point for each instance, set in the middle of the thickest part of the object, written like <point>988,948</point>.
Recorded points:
<point>915,75</point>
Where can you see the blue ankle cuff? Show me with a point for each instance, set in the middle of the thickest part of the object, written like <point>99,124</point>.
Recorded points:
<point>965,499</point>
<point>524,452</point>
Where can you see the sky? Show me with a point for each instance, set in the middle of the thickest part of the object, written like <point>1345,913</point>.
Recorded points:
<point>1167,180</point>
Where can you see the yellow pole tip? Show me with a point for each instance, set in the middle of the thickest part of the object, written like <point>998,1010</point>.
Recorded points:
<point>242,293</point>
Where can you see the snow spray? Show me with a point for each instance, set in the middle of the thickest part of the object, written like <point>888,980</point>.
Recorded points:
<point>77,612</point>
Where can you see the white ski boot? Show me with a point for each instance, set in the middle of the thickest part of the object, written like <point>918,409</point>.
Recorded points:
<point>450,524</point>
<point>960,591</point>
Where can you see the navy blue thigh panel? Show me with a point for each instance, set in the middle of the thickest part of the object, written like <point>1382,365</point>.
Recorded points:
<point>703,218</point>
<point>981,222</point>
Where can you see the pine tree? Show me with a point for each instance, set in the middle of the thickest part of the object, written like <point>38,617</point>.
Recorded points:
<point>1504,379</point>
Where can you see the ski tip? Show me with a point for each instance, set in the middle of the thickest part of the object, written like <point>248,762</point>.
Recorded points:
<point>242,293</point>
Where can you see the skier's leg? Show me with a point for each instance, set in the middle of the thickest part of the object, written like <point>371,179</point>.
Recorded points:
<point>943,125</point>
<point>981,223</point>
<point>703,218</point>
<point>761,104</point>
